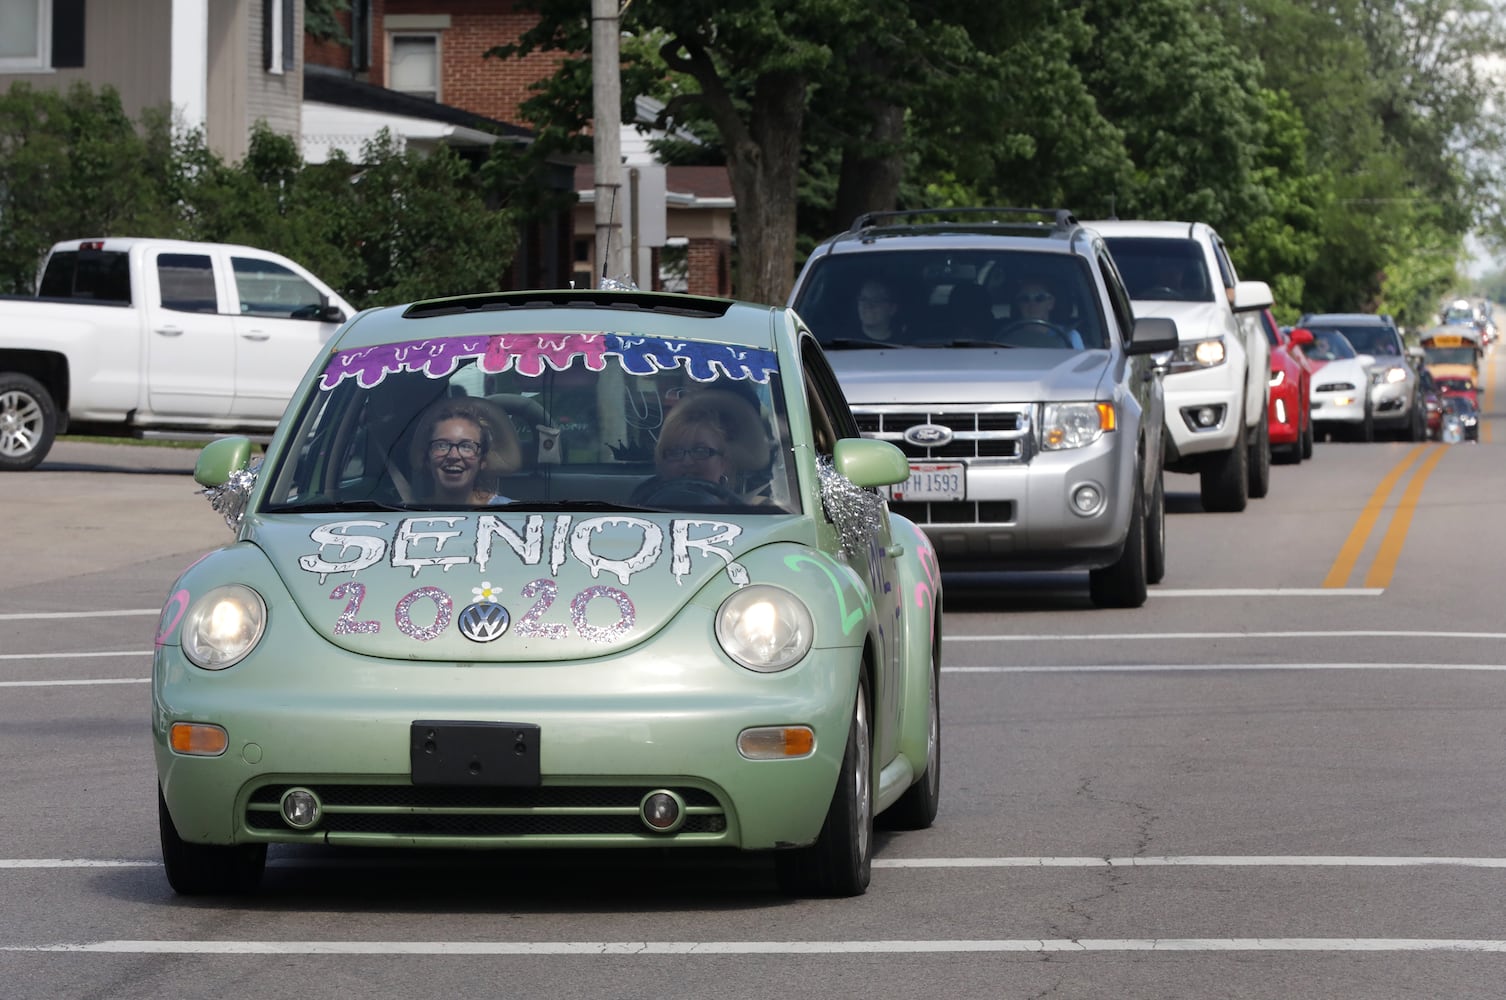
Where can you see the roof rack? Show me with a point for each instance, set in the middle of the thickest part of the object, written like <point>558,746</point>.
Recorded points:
<point>1060,218</point>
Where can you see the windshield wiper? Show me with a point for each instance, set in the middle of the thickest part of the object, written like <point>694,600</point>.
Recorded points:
<point>852,343</point>
<point>977,343</point>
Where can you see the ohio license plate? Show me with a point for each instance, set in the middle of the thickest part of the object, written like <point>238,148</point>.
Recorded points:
<point>932,481</point>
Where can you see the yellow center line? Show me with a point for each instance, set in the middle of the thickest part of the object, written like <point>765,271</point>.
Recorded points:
<point>1338,575</point>
<point>1384,566</point>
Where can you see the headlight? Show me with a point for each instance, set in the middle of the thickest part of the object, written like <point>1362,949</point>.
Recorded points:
<point>1075,425</point>
<point>223,626</point>
<point>1197,354</point>
<point>765,628</point>
<point>1394,375</point>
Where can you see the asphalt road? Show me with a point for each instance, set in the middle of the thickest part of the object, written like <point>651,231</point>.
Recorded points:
<point>1285,776</point>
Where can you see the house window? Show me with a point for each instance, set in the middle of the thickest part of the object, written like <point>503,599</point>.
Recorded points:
<point>277,36</point>
<point>415,65</point>
<point>25,34</point>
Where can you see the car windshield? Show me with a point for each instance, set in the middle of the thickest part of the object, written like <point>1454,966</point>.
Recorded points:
<point>1373,340</point>
<point>545,421</point>
<point>1329,345</point>
<point>1156,269</point>
<point>952,298</point>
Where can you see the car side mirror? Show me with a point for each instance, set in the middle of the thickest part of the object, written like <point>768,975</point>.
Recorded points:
<point>1301,336</point>
<point>221,459</point>
<point>331,313</point>
<point>1153,335</point>
<point>1250,295</point>
<point>867,462</point>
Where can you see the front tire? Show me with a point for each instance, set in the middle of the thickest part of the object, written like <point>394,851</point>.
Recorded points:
<point>1260,458</point>
<point>207,869</point>
<point>1307,437</point>
<point>840,862</point>
<point>1122,585</point>
<point>1225,481</point>
<point>28,422</point>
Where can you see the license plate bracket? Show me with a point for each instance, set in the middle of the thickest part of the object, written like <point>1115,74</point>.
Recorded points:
<point>937,481</point>
<point>474,754</point>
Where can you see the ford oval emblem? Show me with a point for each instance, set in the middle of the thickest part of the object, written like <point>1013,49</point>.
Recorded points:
<point>929,435</point>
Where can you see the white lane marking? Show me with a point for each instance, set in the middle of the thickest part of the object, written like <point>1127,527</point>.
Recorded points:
<point>28,615</point>
<point>86,682</point>
<point>74,656</point>
<point>1143,668</point>
<point>1157,636</point>
<point>1271,592</point>
<point>1148,861</point>
<point>1195,860</point>
<point>637,948</point>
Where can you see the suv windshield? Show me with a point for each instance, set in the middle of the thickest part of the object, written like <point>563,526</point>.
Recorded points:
<point>1162,270</point>
<point>560,421</point>
<point>952,298</point>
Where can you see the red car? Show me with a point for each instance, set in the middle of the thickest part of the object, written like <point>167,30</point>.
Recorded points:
<point>1290,411</point>
<point>1454,386</point>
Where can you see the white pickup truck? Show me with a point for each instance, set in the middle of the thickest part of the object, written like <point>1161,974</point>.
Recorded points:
<point>156,338</point>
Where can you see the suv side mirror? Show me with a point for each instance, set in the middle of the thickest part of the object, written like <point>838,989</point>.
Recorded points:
<point>331,313</point>
<point>1252,295</point>
<point>1152,335</point>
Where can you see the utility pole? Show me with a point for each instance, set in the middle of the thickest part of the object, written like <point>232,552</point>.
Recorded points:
<point>606,97</point>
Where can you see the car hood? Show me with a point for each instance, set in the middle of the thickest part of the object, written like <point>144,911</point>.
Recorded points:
<point>1343,369</point>
<point>571,585</point>
<point>968,375</point>
<point>1195,320</point>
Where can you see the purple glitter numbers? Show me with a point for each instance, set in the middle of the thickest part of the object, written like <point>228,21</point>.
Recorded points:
<point>545,590</point>
<point>347,624</point>
<point>627,614</point>
<point>443,607</point>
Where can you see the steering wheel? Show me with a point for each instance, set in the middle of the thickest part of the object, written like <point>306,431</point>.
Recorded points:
<point>1022,325</point>
<point>658,492</point>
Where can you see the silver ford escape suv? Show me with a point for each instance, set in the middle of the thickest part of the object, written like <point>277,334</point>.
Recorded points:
<point>998,348</point>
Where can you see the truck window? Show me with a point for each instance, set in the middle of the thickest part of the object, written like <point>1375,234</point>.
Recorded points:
<point>98,276</point>
<point>187,282</point>
<point>266,288</point>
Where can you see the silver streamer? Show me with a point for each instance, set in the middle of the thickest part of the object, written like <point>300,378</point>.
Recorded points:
<point>854,510</point>
<point>230,499</point>
<point>618,285</point>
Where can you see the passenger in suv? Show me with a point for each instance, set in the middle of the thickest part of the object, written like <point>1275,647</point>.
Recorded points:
<point>1217,389</point>
<point>1033,424</point>
<point>1396,401</point>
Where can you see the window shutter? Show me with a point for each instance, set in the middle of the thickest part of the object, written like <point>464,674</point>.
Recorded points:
<point>67,34</point>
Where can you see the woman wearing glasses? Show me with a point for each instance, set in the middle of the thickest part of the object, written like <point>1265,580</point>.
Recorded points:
<point>460,449</point>
<point>710,449</point>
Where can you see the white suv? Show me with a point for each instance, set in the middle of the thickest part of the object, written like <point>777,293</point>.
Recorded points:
<point>1217,382</point>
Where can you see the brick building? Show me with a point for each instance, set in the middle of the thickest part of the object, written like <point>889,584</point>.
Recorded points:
<point>434,50</point>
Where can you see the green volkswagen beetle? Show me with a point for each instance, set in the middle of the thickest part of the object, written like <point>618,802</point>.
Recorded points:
<point>553,569</point>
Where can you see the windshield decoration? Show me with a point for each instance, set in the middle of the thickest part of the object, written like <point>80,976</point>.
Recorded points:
<point>530,354</point>
<point>230,498</point>
<point>855,511</point>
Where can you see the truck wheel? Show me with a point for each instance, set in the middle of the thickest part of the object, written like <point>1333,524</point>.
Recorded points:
<point>1155,533</point>
<point>28,422</point>
<point>1122,585</point>
<point>840,861</point>
<point>1225,479</point>
<point>1260,459</point>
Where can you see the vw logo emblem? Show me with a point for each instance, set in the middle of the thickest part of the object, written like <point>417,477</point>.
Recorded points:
<point>484,621</point>
<point>928,435</point>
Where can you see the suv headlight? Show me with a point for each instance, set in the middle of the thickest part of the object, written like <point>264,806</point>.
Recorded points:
<point>1198,354</point>
<point>765,628</point>
<point>1075,425</point>
<point>1394,375</point>
<point>223,626</point>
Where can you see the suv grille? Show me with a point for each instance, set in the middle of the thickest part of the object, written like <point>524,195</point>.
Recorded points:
<point>997,431</point>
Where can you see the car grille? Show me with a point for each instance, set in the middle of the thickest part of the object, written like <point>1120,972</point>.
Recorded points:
<point>1336,387</point>
<point>991,431</point>
<point>439,811</point>
<point>967,512</point>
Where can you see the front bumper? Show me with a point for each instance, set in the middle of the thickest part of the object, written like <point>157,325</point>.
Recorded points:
<point>1020,515</point>
<point>1344,406</point>
<point>1188,393</point>
<point>1391,402</point>
<point>611,729</point>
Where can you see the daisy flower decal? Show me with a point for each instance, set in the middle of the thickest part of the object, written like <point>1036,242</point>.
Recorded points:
<point>485,593</point>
